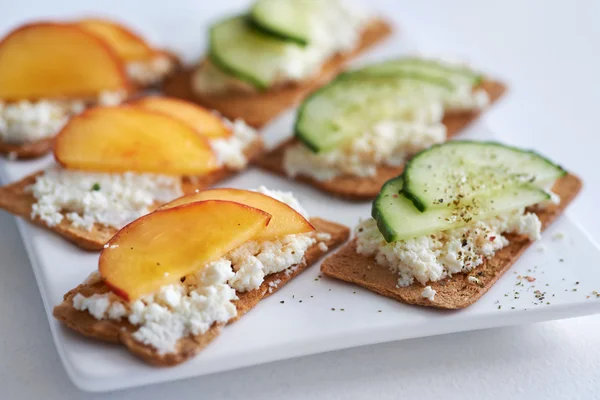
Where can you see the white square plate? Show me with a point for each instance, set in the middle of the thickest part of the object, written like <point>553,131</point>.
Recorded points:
<point>312,315</point>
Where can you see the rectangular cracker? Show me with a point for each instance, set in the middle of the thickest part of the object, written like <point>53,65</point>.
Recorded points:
<point>257,109</point>
<point>122,331</point>
<point>367,188</point>
<point>16,199</point>
<point>451,293</point>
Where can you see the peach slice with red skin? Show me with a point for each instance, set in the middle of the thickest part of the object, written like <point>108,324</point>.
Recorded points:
<point>204,121</point>
<point>285,221</point>
<point>162,247</point>
<point>48,60</point>
<point>124,138</point>
<point>128,45</point>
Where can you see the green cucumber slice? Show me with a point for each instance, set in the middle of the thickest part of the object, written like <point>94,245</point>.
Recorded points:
<point>249,54</point>
<point>456,74</point>
<point>348,107</point>
<point>456,171</point>
<point>287,19</point>
<point>397,218</point>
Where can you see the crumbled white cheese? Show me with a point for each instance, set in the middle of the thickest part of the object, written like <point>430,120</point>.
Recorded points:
<point>434,257</point>
<point>177,311</point>
<point>289,199</point>
<point>337,29</point>
<point>387,143</point>
<point>150,72</point>
<point>230,150</point>
<point>323,247</point>
<point>473,279</point>
<point>26,121</point>
<point>253,260</point>
<point>96,305</point>
<point>111,97</point>
<point>86,198</point>
<point>428,293</point>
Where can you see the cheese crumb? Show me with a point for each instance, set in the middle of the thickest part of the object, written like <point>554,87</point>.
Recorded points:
<point>474,279</point>
<point>428,293</point>
<point>323,247</point>
<point>230,151</point>
<point>150,72</point>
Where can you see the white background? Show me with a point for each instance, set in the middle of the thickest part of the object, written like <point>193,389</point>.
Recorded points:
<point>548,53</point>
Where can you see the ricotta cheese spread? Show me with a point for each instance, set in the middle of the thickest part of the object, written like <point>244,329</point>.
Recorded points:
<point>150,72</point>
<point>230,151</point>
<point>388,143</point>
<point>29,121</point>
<point>207,297</point>
<point>431,258</point>
<point>336,30</point>
<point>86,198</point>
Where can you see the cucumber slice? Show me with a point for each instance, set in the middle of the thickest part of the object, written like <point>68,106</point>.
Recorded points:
<point>455,74</point>
<point>397,218</point>
<point>239,49</point>
<point>456,171</point>
<point>348,107</point>
<point>287,19</point>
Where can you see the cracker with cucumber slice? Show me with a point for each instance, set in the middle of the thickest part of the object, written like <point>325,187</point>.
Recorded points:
<point>258,108</point>
<point>18,200</point>
<point>367,188</point>
<point>451,293</point>
<point>122,331</point>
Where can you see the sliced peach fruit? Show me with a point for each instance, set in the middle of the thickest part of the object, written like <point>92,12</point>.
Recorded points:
<point>285,221</point>
<point>47,60</point>
<point>204,121</point>
<point>164,246</point>
<point>128,45</point>
<point>123,138</point>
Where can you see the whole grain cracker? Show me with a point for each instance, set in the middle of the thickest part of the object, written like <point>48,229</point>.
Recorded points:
<point>122,331</point>
<point>366,188</point>
<point>451,293</point>
<point>257,109</point>
<point>16,199</point>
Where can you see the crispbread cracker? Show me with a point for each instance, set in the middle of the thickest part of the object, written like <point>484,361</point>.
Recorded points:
<point>259,108</point>
<point>122,331</point>
<point>16,199</point>
<point>451,293</point>
<point>27,150</point>
<point>366,188</point>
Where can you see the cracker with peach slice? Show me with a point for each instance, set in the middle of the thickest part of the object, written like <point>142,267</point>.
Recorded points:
<point>119,256</point>
<point>129,46</point>
<point>366,188</point>
<point>55,61</point>
<point>258,108</point>
<point>138,140</point>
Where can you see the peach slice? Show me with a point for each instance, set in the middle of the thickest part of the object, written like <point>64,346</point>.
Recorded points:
<point>120,139</point>
<point>47,60</point>
<point>128,45</point>
<point>285,221</point>
<point>162,247</point>
<point>204,121</point>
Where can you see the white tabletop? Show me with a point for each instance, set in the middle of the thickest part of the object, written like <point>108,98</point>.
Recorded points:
<point>548,53</point>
